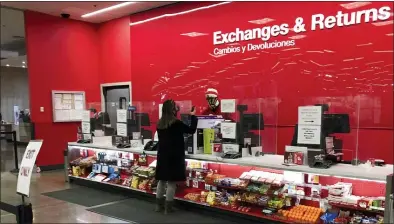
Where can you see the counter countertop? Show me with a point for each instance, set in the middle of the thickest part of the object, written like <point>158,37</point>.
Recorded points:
<point>275,162</point>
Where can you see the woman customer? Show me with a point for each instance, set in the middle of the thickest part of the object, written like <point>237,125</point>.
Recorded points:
<point>171,164</point>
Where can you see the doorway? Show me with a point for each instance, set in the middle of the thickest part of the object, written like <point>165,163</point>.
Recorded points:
<point>115,96</point>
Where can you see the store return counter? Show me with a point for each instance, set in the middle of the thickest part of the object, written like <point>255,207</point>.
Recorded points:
<point>257,187</point>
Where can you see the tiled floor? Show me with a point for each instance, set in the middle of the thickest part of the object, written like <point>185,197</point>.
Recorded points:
<point>45,209</point>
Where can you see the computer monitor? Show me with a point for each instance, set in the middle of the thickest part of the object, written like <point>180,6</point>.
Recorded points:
<point>336,123</point>
<point>142,119</point>
<point>252,122</point>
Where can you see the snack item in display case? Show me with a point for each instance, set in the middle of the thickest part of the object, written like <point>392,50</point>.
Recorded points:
<point>203,196</point>
<point>263,201</point>
<point>193,196</point>
<point>91,174</point>
<point>264,188</point>
<point>303,213</point>
<point>315,191</point>
<point>252,198</point>
<point>143,160</point>
<point>276,203</point>
<point>134,182</point>
<point>76,171</point>
<point>211,178</point>
<point>211,198</point>
<point>143,185</point>
<point>127,182</point>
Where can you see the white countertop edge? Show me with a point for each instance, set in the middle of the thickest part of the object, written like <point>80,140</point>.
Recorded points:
<point>275,162</point>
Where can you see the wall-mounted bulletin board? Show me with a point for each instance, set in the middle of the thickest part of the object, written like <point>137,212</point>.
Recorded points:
<point>67,106</point>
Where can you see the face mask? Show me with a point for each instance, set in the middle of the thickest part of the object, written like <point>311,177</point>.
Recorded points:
<point>212,102</point>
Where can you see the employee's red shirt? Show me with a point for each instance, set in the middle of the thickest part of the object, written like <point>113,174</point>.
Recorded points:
<point>218,111</point>
<point>209,111</point>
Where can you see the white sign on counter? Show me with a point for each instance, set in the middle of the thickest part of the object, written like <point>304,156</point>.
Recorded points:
<point>121,116</point>
<point>310,115</point>
<point>121,129</point>
<point>230,147</point>
<point>85,127</point>
<point>27,167</point>
<point>86,115</point>
<point>228,130</point>
<point>309,134</point>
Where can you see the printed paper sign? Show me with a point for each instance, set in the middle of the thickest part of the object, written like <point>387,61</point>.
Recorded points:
<point>310,115</point>
<point>308,134</point>
<point>121,129</point>
<point>228,130</point>
<point>85,127</point>
<point>121,116</point>
<point>227,106</point>
<point>230,148</point>
<point>27,167</point>
<point>86,115</point>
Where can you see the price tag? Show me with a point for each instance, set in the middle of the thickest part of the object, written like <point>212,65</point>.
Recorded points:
<point>195,183</point>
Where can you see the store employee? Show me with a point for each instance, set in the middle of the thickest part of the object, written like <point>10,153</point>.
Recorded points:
<point>211,95</point>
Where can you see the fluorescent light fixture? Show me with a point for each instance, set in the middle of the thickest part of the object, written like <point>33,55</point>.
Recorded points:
<point>291,49</point>
<point>384,23</point>
<point>23,66</point>
<point>355,5</point>
<point>297,37</point>
<point>369,70</point>
<point>275,65</point>
<point>366,44</point>
<point>291,63</point>
<point>107,9</point>
<point>321,52</point>
<point>247,59</point>
<point>23,62</point>
<point>329,51</point>
<point>7,65</point>
<point>194,34</point>
<point>239,63</point>
<point>261,21</point>
<point>177,14</point>
<point>388,51</point>
<point>375,62</point>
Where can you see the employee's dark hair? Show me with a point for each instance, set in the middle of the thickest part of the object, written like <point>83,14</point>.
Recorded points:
<point>168,115</point>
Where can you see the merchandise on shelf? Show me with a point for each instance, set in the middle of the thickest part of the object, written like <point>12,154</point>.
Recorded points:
<point>280,195</point>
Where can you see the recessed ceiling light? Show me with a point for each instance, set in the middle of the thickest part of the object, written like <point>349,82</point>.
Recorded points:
<point>23,66</point>
<point>107,9</point>
<point>7,65</point>
<point>23,62</point>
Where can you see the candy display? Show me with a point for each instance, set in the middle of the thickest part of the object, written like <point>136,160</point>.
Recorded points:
<point>302,213</point>
<point>283,196</point>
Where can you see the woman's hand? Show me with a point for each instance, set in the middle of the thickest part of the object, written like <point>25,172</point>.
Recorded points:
<point>193,111</point>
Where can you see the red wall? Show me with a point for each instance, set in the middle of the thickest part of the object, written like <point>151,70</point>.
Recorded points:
<point>73,55</point>
<point>114,45</point>
<point>321,70</point>
<point>62,55</point>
